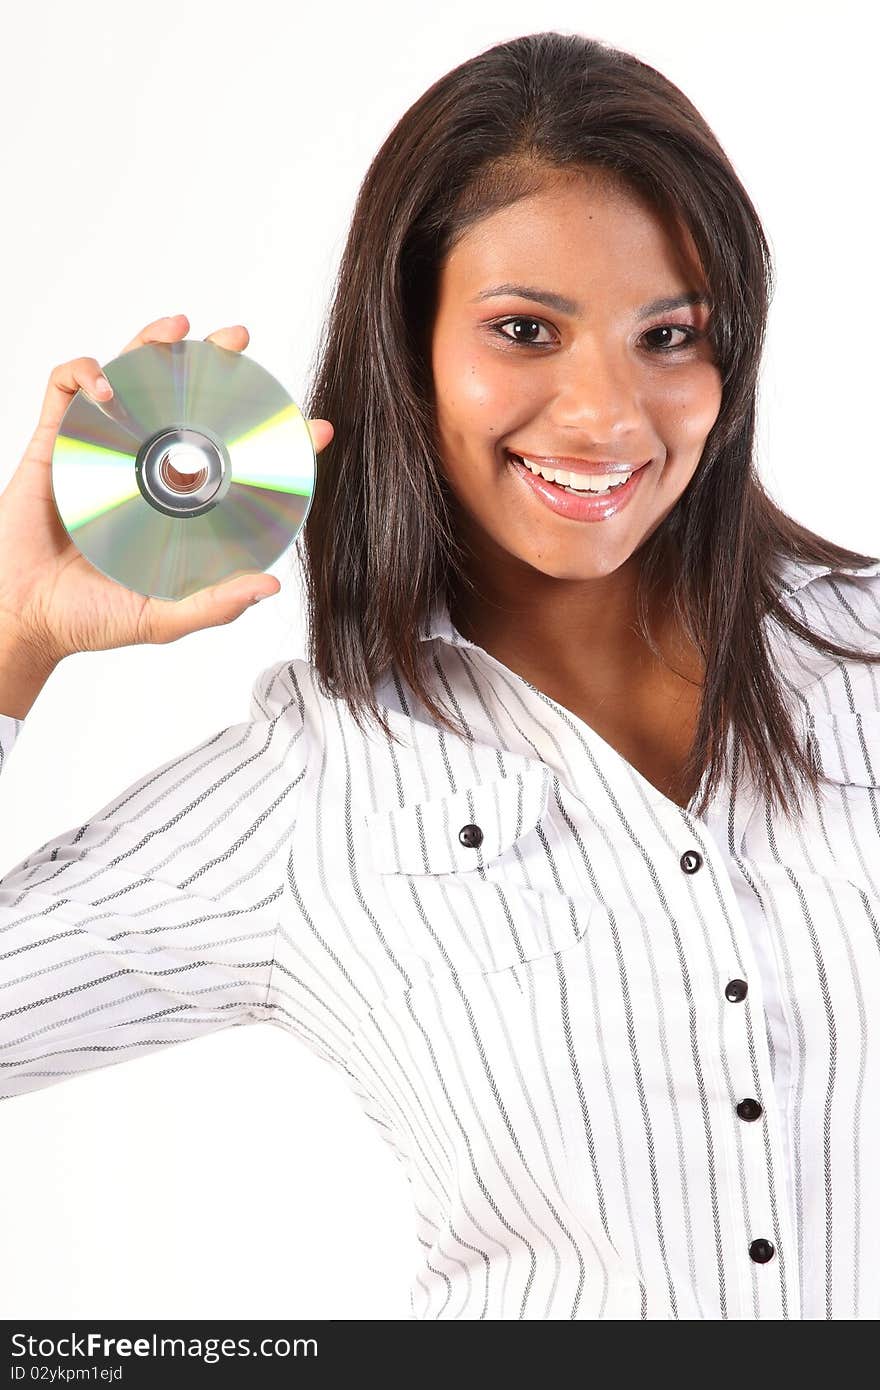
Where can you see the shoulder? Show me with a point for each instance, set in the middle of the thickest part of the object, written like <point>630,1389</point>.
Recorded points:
<point>284,698</point>
<point>844,601</point>
<point>841,604</point>
<point>289,698</point>
<point>280,690</point>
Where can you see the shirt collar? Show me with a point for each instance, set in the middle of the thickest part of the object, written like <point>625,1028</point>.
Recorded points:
<point>440,624</point>
<point>795,574</point>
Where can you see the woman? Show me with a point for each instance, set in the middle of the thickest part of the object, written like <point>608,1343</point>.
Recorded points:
<point>560,844</point>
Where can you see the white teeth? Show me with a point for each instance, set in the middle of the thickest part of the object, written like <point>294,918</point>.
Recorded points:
<point>578,482</point>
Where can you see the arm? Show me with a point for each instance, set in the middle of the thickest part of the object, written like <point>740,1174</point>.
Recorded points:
<point>23,673</point>
<point>156,920</point>
<point>22,676</point>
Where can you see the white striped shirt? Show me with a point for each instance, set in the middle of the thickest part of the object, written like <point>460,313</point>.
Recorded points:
<point>629,1058</point>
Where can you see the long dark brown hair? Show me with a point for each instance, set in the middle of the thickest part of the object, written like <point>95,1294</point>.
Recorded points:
<point>379,540</point>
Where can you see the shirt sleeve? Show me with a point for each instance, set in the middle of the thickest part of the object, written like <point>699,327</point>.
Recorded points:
<point>156,920</point>
<point>9,729</point>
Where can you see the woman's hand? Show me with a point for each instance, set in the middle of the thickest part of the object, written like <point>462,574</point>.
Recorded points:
<point>52,600</point>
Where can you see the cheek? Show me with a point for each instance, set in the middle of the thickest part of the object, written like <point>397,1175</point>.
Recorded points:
<point>686,411</point>
<point>476,398</point>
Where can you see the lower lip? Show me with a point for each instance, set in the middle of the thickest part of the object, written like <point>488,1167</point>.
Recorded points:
<point>587,508</point>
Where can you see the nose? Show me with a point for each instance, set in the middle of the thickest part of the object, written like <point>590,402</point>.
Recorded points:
<point>598,395</point>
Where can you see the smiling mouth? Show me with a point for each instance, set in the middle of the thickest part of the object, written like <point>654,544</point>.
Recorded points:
<point>588,479</point>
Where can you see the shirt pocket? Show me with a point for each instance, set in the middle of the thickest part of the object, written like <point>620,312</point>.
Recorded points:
<point>846,745</point>
<point>460,871</point>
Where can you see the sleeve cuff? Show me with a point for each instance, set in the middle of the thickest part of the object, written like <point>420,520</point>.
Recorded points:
<point>9,730</point>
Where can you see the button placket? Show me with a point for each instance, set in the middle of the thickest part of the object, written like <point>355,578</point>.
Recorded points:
<point>761,1250</point>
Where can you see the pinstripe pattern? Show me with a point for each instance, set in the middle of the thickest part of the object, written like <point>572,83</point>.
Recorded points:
<point>534,1016</point>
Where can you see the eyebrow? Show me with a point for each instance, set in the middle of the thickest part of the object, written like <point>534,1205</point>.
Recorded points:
<point>563,305</point>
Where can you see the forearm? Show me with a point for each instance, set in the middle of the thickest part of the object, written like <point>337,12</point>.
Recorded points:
<point>24,671</point>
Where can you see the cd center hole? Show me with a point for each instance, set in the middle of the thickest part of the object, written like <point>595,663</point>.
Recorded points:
<point>183,469</point>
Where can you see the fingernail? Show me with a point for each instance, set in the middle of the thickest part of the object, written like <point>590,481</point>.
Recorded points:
<point>102,384</point>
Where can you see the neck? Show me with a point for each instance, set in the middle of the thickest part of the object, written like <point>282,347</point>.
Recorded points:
<point>576,636</point>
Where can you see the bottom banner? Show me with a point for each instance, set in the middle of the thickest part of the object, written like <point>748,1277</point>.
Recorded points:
<point>135,1353</point>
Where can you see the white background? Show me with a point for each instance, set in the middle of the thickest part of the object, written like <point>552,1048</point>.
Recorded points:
<point>203,157</point>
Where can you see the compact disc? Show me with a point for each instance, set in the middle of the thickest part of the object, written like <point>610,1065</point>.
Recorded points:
<point>199,468</point>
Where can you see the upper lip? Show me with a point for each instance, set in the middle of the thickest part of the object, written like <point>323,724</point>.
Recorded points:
<point>579,465</point>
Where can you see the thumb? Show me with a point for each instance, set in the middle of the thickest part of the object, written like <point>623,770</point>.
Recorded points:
<point>172,619</point>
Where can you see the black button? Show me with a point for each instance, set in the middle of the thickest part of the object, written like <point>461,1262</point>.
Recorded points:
<point>691,860</point>
<point>749,1109</point>
<point>736,991</point>
<point>471,836</point>
<point>761,1251</point>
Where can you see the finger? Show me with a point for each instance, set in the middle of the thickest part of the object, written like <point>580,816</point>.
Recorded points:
<point>166,330</point>
<point>235,338</point>
<point>167,620</point>
<point>85,372</point>
<point>322,432</point>
<point>82,373</point>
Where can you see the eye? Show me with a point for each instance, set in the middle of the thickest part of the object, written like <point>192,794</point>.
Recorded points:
<point>518,338</point>
<point>691,336</point>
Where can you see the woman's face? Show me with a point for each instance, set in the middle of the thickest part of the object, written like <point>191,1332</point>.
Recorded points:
<point>595,379</point>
